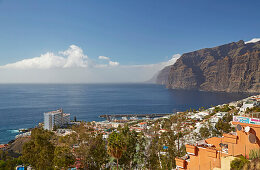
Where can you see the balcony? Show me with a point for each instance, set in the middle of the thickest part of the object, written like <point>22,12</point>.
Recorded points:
<point>229,138</point>
<point>191,150</point>
<point>211,152</point>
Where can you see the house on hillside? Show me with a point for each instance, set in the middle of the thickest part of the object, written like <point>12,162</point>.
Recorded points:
<point>217,152</point>
<point>198,126</point>
<point>199,116</point>
<point>3,147</point>
<point>143,125</point>
<point>249,104</point>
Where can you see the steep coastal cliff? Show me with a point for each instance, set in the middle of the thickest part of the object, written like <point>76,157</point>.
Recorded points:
<point>233,67</point>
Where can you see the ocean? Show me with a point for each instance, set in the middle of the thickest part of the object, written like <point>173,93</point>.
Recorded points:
<point>23,105</point>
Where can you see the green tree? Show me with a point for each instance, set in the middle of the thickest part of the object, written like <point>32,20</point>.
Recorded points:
<point>2,164</point>
<point>116,145</point>
<point>223,127</point>
<point>134,148</point>
<point>130,139</point>
<point>11,163</point>
<point>204,132</point>
<point>153,160</point>
<point>3,155</point>
<point>89,147</point>
<point>253,109</point>
<point>167,124</point>
<point>97,151</point>
<point>140,156</point>
<point>91,150</point>
<point>167,141</point>
<point>63,157</point>
<point>8,162</point>
<point>39,151</point>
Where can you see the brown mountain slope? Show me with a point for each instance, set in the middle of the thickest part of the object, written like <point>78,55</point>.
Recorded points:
<point>233,67</point>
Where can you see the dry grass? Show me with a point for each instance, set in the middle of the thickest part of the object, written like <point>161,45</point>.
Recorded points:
<point>253,165</point>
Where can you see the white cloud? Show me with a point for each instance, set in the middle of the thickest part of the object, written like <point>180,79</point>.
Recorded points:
<point>45,61</point>
<point>75,57</point>
<point>173,59</point>
<point>254,40</point>
<point>73,66</point>
<point>72,57</point>
<point>110,63</point>
<point>103,58</point>
<point>113,63</point>
<point>100,65</point>
<point>161,65</point>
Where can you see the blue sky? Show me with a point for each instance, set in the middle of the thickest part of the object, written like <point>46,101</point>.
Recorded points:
<point>130,32</point>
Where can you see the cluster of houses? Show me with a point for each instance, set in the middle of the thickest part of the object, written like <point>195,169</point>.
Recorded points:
<point>217,152</point>
<point>250,103</point>
<point>192,124</point>
<point>3,147</point>
<point>201,118</point>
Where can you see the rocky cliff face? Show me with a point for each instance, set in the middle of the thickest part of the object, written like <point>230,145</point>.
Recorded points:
<point>162,77</point>
<point>233,67</point>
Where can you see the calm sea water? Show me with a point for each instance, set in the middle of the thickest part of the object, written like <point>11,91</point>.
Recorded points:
<point>22,106</point>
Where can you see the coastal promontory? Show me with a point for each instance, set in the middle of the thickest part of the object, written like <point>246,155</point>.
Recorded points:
<point>233,67</point>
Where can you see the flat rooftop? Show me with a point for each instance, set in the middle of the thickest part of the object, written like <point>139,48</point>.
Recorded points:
<point>55,112</point>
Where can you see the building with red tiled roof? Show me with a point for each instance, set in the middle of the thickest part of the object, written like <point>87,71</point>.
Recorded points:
<point>143,125</point>
<point>2,147</point>
<point>209,155</point>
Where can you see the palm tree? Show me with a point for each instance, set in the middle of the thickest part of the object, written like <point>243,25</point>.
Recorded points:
<point>116,146</point>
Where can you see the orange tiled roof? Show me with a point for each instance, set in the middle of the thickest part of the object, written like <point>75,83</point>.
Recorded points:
<point>214,141</point>
<point>142,123</point>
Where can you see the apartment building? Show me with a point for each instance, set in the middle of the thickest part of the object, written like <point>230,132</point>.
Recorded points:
<point>212,153</point>
<point>55,119</point>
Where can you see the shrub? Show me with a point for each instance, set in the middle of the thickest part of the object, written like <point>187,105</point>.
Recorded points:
<point>204,132</point>
<point>254,164</point>
<point>254,154</point>
<point>239,163</point>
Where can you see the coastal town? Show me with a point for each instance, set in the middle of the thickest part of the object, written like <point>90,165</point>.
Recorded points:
<point>206,138</point>
<point>129,85</point>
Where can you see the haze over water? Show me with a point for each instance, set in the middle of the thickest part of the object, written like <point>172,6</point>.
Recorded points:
<point>22,106</point>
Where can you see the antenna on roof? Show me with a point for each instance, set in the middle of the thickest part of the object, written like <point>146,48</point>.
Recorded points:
<point>252,138</point>
<point>247,129</point>
<point>239,127</point>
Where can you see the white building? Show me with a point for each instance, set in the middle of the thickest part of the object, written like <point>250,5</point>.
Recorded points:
<point>198,126</point>
<point>116,125</point>
<point>199,116</point>
<point>248,104</point>
<point>55,118</point>
<point>66,118</point>
<point>214,120</point>
<point>63,132</point>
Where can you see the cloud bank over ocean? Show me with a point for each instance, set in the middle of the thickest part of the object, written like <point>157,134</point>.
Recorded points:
<point>73,57</point>
<point>73,66</point>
